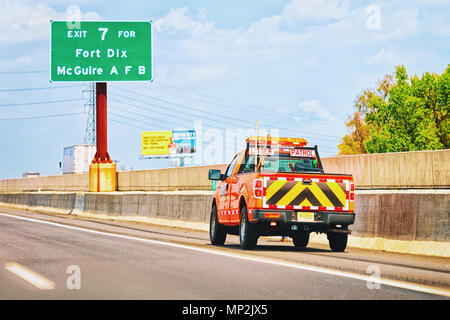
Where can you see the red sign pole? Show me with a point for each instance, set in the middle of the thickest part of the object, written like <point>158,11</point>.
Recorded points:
<point>102,171</point>
<point>102,155</point>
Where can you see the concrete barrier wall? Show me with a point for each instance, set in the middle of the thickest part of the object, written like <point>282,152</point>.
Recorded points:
<point>391,215</point>
<point>420,169</point>
<point>65,202</point>
<point>187,178</point>
<point>403,215</point>
<point>71,182</point>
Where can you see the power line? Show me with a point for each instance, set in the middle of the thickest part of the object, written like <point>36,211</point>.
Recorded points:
<point>321,137</point>
<point>23,72</point>
<point>254,107</point>
<point>157,119</point>
<point>239,105</point>
<point>35,103</point>
<point>38,89</point>
<point>230,143</point>
<point>160,114</point>
<point>226,143</point>
<point>140,121</point>
<point>179,105</point>
<point>43,117</point>
<point>170,116</point>
<point>147,110</point>
<point>126,124</point>
<point>234,119</point>
<point>185,106</point>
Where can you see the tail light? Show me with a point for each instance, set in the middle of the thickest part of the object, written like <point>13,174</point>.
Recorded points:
<point>258,188</point>
<point>352,196</point>
<point>352,191</point>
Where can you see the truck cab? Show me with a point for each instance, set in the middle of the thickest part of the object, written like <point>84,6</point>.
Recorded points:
<point>278,187</point>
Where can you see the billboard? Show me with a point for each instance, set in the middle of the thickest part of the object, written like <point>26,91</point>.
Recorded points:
<point>174,143</point>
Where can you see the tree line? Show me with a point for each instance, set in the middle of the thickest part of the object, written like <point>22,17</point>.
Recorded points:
<point>403,113</point>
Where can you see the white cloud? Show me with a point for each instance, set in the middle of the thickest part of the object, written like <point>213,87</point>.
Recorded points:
<point>399,25</point>
<point>313,109</point>
<point>443,31</point>
<point>180,20</point>
<point>295,36</point>
<point>427,3</point>
<point>23,21</point>
<point>384,56</point>
<point>193,73</point>
<point>21,61</point>
<point>301,24</point>
<point>69,2</point>
<point>318,11</point>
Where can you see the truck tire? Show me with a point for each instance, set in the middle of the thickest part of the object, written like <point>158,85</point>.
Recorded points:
<point>337,241</point>
<point>217,233</point>
<point>301,239</point>
<point>248,232</point>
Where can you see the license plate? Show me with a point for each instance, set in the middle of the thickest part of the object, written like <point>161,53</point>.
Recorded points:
<point>305,216</point>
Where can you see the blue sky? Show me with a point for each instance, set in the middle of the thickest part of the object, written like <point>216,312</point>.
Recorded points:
<point>296,66</point>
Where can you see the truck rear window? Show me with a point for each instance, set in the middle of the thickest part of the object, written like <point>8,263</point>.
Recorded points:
<point>286,163</point>
<point>283,162</point>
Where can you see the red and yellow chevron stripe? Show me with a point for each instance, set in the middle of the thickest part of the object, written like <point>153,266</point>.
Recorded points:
<point>315,194</point>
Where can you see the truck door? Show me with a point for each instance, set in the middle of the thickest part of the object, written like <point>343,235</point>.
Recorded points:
<point>235,188</point>
<point>224,193</point>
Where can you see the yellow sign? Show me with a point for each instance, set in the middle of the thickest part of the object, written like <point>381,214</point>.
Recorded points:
<point>155,143</point>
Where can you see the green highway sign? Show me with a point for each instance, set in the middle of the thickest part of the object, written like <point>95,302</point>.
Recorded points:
<point>101,51</point>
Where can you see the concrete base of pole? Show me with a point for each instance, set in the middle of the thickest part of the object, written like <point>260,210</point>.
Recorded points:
<point>102,177</point>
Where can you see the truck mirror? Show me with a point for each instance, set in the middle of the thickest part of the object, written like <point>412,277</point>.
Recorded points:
<point>214,174</point>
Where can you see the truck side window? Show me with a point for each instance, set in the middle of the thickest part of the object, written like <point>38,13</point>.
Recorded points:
<point>232,165</point>
<point>248,164</point>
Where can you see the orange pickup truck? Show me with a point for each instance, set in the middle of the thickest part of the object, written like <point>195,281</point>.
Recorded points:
<point>277,187</point>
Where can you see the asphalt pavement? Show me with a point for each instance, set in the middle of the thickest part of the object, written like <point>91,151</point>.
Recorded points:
<point>63,257</point>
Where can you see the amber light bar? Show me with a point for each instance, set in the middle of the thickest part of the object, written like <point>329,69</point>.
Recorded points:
<point>299,142</point>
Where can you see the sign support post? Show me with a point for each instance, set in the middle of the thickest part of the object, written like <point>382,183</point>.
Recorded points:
<point>102,155</point>
<point>102,171</point>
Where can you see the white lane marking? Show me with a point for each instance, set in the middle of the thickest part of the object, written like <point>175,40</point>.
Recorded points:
<point>387,282</point>
<point>30,276</point>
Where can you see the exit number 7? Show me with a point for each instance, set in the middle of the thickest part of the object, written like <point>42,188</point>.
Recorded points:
<point>104,30</point>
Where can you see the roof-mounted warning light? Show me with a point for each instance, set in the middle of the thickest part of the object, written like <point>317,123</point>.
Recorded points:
<point>297,142</point>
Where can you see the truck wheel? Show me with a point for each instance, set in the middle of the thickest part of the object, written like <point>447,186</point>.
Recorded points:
<point>301,240</point>
<point>248,233</point>
<point>337,241</point>
<point>217,233</point>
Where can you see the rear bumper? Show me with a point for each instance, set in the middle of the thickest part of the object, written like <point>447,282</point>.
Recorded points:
<point>321,218</point>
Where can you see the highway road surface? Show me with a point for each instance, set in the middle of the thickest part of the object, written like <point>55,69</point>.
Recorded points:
<point>64,257</point>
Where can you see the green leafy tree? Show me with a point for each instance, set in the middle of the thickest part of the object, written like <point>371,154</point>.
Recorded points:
<point>403,114</point>
<point>411,117</point>
<point>358,130</point>
<point>354,141</point>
